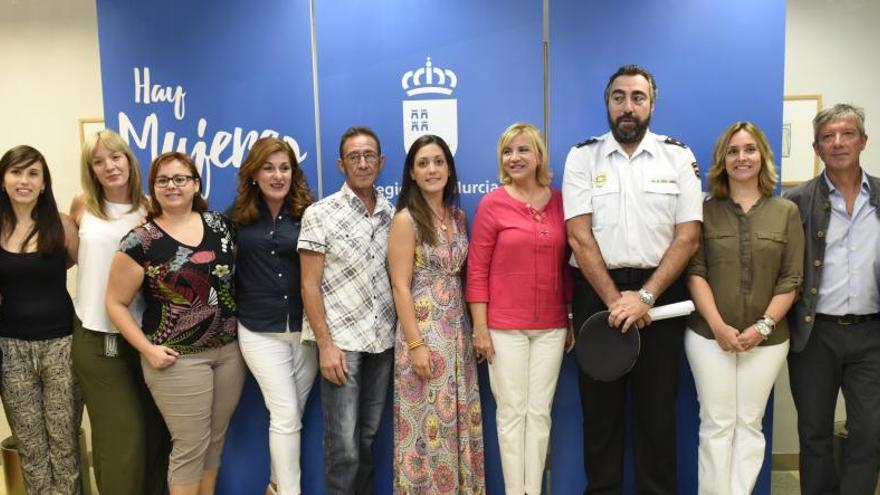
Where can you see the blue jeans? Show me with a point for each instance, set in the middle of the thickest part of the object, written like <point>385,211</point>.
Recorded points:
<point>352,413</point>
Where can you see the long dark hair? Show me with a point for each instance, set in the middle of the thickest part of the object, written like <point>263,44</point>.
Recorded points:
<point>246,209</point>
<point>47,222</point>
<point>411,196</point>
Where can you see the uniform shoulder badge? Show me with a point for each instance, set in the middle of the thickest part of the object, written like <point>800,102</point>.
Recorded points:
<point>672,140</point>
<point>590,141</point>
<point>696,169</point>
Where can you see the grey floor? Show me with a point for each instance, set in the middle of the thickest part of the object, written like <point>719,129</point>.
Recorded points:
<point>785,483</point>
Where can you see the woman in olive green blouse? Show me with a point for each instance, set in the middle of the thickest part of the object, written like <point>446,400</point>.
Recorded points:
<point>743,280</point>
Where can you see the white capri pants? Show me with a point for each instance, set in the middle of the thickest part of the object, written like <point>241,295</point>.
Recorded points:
<point>285,370</point>
<point>733,389</point>
<point>523,378</point>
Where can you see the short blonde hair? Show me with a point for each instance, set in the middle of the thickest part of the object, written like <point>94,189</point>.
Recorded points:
<point>93,193</point>
<point>543,174</point>
<point>719,182</point>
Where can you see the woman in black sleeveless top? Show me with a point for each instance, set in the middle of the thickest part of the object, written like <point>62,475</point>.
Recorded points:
<point>40,395</point>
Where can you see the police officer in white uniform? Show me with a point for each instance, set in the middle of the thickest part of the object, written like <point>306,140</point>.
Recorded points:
<point>633,208</point>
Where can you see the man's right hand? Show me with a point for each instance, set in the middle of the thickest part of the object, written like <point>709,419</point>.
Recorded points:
<point>334,367</point>
<point>628,311</point>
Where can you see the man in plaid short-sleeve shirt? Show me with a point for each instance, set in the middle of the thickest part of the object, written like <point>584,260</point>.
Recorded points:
<point>350,311</point>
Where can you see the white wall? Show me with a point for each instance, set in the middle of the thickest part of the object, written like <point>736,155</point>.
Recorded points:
<point>49,78</point>
<point>830,49</point>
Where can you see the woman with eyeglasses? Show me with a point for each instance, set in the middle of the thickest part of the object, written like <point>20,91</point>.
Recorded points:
<point>181,260</point>
<point>438,427</point>
<point>130,443</point>
<point>272,195</point>
<point>743,280</point>
<point>40,394</point>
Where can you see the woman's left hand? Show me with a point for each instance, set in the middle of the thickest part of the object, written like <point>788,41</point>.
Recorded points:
<point>569,338</point>
<point>750,338</point>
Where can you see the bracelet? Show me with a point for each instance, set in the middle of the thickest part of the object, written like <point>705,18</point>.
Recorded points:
<point>415,344</point>
<point>765,326</point>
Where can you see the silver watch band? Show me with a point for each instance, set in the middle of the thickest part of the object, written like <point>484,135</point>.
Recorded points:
<point>646,296</point>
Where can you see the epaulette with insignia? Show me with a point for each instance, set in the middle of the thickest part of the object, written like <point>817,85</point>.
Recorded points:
<point>592,140</point>
<point>672,140</point>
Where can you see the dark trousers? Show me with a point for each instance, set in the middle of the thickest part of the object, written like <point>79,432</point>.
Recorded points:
<point>848,357</point>
<point>130,443</point>
<point>352,414</point>
<point>653,383</point>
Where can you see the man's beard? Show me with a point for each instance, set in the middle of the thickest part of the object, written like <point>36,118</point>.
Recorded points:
<point>631,134</point>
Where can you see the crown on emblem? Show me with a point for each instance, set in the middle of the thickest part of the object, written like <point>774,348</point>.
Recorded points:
<point>429,80</point>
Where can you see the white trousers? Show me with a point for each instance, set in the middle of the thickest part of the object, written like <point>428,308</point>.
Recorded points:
<point>733,389</point>
<point>285,370</point>
<point>523,380</point>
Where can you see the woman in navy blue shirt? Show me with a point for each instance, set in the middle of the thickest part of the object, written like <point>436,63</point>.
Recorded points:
<point>272,195</point>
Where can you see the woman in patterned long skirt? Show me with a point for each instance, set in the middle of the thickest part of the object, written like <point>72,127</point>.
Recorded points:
<point>438,437</point>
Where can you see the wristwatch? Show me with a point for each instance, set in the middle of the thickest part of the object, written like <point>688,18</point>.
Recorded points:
<point>646,297</point>
<point>765,326</point>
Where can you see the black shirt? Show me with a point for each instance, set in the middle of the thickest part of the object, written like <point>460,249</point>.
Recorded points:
<point>35,305</point>
<point>267,273</point>
<point>188,290</point>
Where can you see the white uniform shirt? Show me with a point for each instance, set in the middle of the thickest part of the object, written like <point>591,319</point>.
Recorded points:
<point>635,201</point>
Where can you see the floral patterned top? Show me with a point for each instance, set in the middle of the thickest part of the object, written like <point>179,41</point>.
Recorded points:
<point>189,290</point>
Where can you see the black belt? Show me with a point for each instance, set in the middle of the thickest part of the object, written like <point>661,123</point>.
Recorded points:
<point>847,319</point>
<point>630,276</point>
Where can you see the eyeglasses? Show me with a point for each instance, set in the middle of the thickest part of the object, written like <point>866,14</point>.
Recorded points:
<point>355,158</point>
<point>178,180</point>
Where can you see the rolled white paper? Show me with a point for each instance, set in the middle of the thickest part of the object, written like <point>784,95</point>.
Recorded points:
<point>673,310</point>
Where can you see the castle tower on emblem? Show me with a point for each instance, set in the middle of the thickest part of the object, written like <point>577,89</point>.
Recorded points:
<point>434,115</point>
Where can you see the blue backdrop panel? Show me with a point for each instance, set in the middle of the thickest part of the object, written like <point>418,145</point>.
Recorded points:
<point>208,78</point>
<point>220,75</point>
<point>715,63</point>
<point>366,49</point>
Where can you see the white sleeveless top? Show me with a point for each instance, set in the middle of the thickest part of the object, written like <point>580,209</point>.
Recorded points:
<point>98,242</point>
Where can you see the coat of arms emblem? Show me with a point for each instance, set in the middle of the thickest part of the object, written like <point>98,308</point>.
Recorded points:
<point>430,114</point>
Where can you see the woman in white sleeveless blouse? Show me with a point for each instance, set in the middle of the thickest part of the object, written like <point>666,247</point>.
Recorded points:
<point>130,443</point>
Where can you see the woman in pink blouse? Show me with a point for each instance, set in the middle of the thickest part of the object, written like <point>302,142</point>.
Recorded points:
<point>519,290</point>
